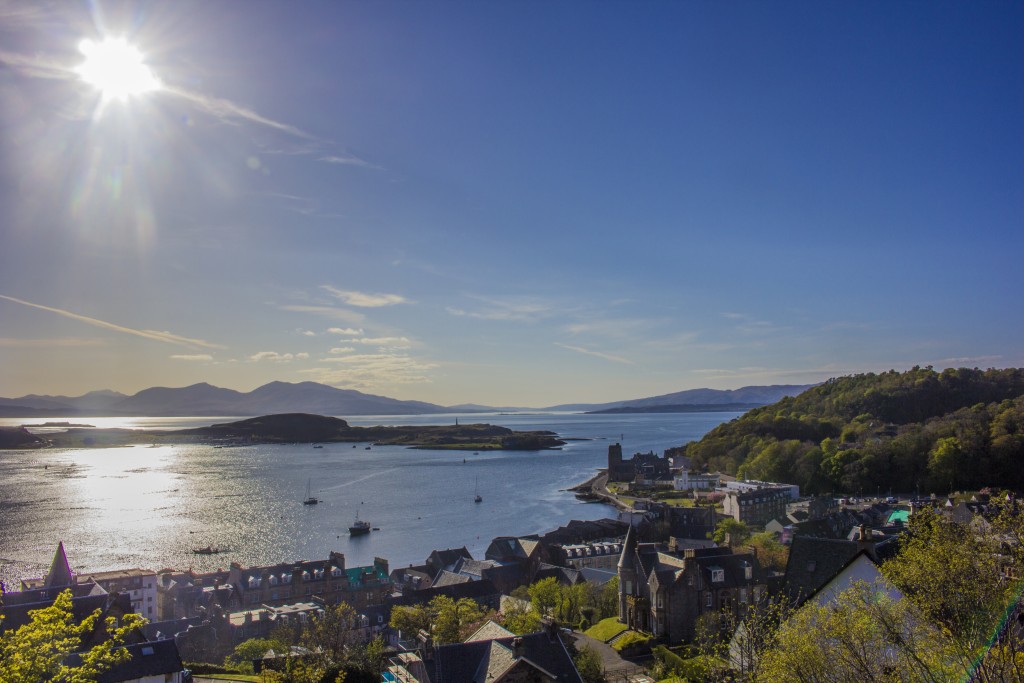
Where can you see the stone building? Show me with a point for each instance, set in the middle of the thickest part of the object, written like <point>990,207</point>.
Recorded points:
<point>756,506</point>
<point>646,466</point>
<point>664,593</point>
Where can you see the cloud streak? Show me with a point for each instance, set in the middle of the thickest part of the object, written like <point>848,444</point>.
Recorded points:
<point>154,335</point>
<point>14,343</point>
<point>597,354</point>
<point>364,299</point>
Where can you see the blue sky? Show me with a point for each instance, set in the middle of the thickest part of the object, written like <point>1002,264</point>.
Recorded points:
<point>511,203</point>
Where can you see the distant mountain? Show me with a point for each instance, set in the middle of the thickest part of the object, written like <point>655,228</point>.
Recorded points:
<point>319,399</point>
<point>206,399</point>
<point>757,395</point>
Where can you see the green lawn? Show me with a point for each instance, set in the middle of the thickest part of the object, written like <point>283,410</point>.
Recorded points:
<point>606,629</point>
<point>232,677</point>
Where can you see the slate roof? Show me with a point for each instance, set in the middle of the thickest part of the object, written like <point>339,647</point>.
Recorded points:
<point>566,576</point>
<point>447,578</point>
<point>813,562</point>
<point>485,661</point>
<point>577,531</point>
<point>481,591</point>
<point>489,631</point>
<point>164,630</point>
<point>154,658</point>
<point>598,576</point>
<point>60,570</point>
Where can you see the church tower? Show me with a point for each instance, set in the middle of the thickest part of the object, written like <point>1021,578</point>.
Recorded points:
<point>627,576</point>
<point>59,575</point>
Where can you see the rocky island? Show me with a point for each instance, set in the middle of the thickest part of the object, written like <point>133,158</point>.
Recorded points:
<point>294,428</point>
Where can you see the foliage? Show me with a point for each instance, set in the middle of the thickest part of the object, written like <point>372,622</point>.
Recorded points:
<point>589,664</point>
<point>245,652</point>
<point>958,429</point>
<point>865,635</point>
<point>520,618</point>
<point>606,629</point>
<point>39,650</point>
<point>445,619</point>
<point>731,530</point>
<point>770,553</point>
<point>546,596</point>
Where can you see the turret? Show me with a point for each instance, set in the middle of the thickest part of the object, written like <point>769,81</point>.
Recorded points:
<point>627,573</point>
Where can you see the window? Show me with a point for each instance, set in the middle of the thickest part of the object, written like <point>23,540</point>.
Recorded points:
<point>717,575</point>
<point>708,601</point>
<point>743,595</point>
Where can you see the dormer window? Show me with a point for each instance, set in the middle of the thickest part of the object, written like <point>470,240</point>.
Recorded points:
<point>748,571</point>
<point>717,575</point>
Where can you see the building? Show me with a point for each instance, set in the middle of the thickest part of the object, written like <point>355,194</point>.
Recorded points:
<point>599,555</point>
<point>756,506</point>
<point>664,594</point>
<point>642,466</point>
<point>696,481</point>
<point>186,594</point>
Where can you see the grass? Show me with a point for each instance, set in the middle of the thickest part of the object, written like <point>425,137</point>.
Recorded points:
<point>606,629</point>
<point>233,677</point>
<point>630,640</point>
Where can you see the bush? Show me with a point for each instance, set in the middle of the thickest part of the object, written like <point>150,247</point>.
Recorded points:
<point>201,668</point>
<point>631,641</point>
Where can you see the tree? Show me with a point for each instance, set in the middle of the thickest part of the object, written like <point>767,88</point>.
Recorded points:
<point>41,649</point>
<point>520,617</point>
<point>546,596</point>
<point>410,620</point>
<point>732,531</point>
<point>451,619</point>
<point>588,663</point>
<point>864,635</point>
<point>248,650</point>
<point>770,552</point>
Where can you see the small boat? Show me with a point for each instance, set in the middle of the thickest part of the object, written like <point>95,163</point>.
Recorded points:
<point>209,550</point>
<point>367,448</point>
<point>316,445</point>
<point>310,498</point>
<point>477,498</point>
<point>359,527</point>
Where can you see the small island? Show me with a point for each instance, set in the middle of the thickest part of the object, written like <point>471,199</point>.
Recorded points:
<point>296,428</point>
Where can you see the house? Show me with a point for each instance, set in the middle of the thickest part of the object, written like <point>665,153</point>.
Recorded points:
<point>600,555</point>
<point>152,662</point>
<point>696,481</point>
<point>665,593</point>
<point>186,594</point>
<point>489,657</point>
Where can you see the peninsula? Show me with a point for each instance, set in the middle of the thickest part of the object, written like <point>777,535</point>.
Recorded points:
<point>293,428</point>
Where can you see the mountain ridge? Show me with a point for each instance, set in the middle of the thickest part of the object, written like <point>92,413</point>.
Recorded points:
<point>204,399</point>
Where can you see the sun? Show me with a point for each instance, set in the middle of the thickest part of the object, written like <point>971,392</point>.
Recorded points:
<point>115,68</point>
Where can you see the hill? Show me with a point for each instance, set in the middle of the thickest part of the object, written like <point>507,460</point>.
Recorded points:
<point>919,430</point>
<point>751,396</point>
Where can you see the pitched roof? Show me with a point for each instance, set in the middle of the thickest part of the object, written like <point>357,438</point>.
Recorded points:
<point>488,661</point>
<point>60,570</point>
<point>154,658</point>
<point>489,631</point>
<point>813,562</point>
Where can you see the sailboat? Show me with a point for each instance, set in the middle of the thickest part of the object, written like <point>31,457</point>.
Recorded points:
<point>310,498</point>
<point>477,498</point>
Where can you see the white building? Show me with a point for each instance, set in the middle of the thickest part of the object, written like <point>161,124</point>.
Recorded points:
<point>140,584</point>
<point>687,480</point>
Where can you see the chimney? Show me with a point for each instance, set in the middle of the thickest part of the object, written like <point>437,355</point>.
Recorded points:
<point>517,647</point>
<point>866,542</point>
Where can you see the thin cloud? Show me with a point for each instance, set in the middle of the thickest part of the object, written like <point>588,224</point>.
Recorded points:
<point>349,160</point>
<point>155,335</point>
<point>351,317</point>
<point>512,309</point>
<point>275,357</point>
<point>36,66</point>
<point>13,343</point>
<point>364,299</point>
<point>598,354</point>
<point>370,371</point>
<point>383,341</point>
<point>343,349</point>
<point>228,111</point>
<point>346,331</point>
<point>196,357</point>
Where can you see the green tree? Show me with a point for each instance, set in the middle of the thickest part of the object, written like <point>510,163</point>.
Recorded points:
<point>588,663</point>
<point>546,597</point>
<point>39,650</point>
<point>248,650</point>
<point>520,618</point>
<point>770,552</point>
<point>732,531</point>
<point>410,620</point>
<point>451,620</point>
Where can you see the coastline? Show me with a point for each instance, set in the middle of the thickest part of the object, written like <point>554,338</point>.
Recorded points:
<point>594,490</point>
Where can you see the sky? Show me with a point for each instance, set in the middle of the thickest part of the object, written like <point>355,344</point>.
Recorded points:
<point>509,203</point>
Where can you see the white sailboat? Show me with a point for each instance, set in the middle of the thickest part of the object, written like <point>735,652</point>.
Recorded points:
<point>310,498</point>
<point>477,498</point>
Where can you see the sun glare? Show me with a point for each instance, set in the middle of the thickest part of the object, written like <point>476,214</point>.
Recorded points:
<point>115,68</point>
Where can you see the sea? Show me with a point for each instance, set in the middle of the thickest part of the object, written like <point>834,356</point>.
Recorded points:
<point>152,506</point>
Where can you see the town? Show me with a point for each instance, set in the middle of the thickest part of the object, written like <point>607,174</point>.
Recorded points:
<point>677,585</point>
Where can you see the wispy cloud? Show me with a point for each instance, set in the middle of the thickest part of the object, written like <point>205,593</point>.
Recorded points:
<point>36,66</point>
<point>364,299</point>
<point>343,349</point>
<point>196,357</point>
<point>14,343</point>
<point>349,160</point>
<point>400,342</point>
<point>512,309</point>
<point>155,335</point>
<point>369,371</point>
<point>963,361</point>
<point>307,333</point>
<point>229,111</point>
<point>275,357</point>
<point>343,314</point>
<point>598,354</point>
<point>346,331</point>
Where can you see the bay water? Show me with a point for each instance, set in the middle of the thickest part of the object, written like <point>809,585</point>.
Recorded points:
<point>151,507</point>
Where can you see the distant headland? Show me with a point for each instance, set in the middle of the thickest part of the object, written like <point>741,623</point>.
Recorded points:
<point>292,428</point>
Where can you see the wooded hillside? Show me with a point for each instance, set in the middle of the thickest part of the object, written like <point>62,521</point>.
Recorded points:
<point>920,430</point>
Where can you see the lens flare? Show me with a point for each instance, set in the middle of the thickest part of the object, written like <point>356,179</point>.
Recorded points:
<point>116,69</point>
